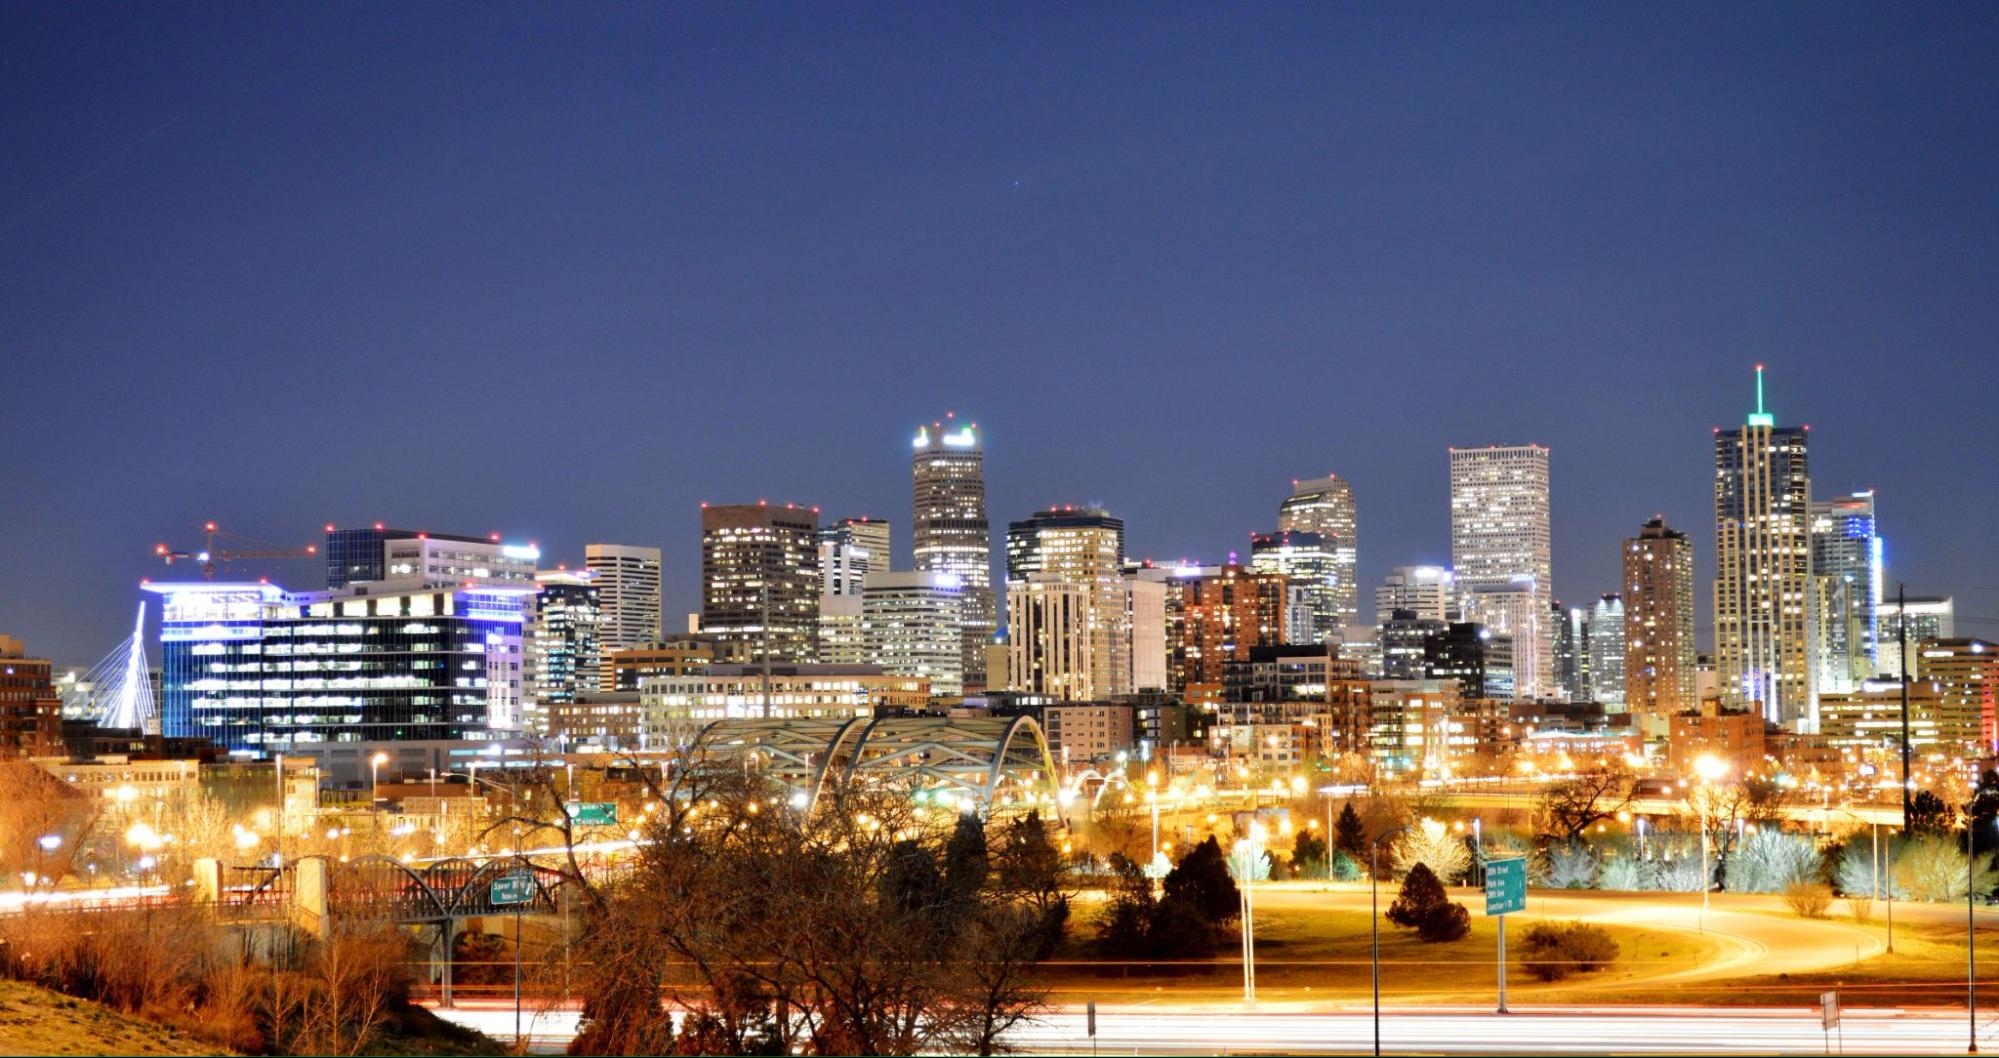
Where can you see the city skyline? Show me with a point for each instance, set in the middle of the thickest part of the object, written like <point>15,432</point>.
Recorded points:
<point>1470,258</point>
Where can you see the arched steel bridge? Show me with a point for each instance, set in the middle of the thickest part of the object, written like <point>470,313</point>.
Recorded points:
<point>1000,762</point>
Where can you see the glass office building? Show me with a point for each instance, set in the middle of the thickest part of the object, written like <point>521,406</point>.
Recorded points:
<point>257,669</point>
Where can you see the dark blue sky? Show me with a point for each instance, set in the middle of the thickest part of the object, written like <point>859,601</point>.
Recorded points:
<point>567,270</point>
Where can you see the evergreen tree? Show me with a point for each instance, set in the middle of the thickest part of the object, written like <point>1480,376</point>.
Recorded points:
<point>966,863</point>
<point>1423,906</point>
<point>1308,855</point>
<point>1929,815</point>
<point>1984,813</point>
<point>1350,835</point>
<point>1202,878</point>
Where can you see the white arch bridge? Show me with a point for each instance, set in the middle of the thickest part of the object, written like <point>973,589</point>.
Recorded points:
<point>1002,763</point>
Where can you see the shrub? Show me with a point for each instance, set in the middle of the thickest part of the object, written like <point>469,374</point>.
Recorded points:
<point>1446,923</point>
<point>1554,950</point>
<point>1808,899</point>
<point>1857,872</point>
<point>1622,874</point>
<point>1573,865</point>
<point>1344,868</point>
<point>1861,908</point>
<point>1770,861</point>
<point>1932,868</point>
<point>1680,875</point>
<point>1432,845</point>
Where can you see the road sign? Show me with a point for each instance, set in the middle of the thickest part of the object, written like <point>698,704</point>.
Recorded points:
<point>1505,886</point>
<point>1829,1010</point>
<point>593,813</point>
<point>515,888</point>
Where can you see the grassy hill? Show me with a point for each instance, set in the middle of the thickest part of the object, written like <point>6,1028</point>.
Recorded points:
<point>37,1021</point>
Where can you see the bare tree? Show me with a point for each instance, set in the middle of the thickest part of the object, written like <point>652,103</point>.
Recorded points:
<point>1569,807</point>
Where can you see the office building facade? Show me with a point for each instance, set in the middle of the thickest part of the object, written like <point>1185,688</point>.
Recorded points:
<point>951,530</point>
<point>849,550</point>
<point>1502,555</point>
<point>1325,507</point>
<point>912,624</point>
<point>760,563</point>
<point>628,591</point>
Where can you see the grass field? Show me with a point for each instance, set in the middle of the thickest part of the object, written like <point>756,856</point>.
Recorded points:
<point>1323,954</point>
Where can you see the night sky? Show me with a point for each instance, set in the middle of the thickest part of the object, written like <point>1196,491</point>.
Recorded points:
<point>565,271</point>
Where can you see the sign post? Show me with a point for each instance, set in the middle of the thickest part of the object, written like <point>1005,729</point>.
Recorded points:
<point>1505,891</point>
<point>593,813</point>
<point>1093,1026</point>
<point>1829,1020</point>
<point>514,889</point>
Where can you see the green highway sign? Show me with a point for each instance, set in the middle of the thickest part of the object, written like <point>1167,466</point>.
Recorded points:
<point>593,813</point>
<point>1505,886</point>
<point>515,888</point>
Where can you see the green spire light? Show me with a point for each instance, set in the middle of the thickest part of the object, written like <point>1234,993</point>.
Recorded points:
<point>1759,417</point>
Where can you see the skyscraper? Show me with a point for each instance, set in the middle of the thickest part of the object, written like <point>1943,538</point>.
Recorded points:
<point>565,656</point>
<point>1658,623</point>
<point>1571,665</point>
<point>849,550</point>
<point>912,625</point>
<point>951,531</point>
<point>760,561</point>
<point>628,590</point>
<point>1082,549</point>
<point>1763,567</point>
<point>1326,506</point>
<point>1312,566</point>
<point>1846,580</point>
<point>1606,651</point>
<point>1501,554</point>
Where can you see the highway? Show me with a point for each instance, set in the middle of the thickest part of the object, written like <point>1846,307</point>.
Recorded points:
<point>1556,1030</point>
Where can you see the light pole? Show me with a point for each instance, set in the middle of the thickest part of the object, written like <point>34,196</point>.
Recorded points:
<point>1374,921</point>
<point>1247,854</point>
<point>1971,927</point>
<point>375,774</point>
<point>1709,768</point>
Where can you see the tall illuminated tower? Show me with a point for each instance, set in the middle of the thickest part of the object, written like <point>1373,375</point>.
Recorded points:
<point>1763,568</point>
<point>1501,556</point>
<point>1658,624</point>
<point>1847,586</point>
<point>1325,506</point>
<point>951,531</point>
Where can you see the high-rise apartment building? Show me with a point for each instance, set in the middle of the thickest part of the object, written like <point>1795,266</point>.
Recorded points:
<point>1846,581</point>
<point>911,624</point>
<point>1763,568</point>
<point>1325,506</point>
<point>1658,623</point>
<point>1312,566</point>
<point>1405,644</point>
<point>1215,615</point>
<point>1928,618</point>
<point>628,590</point>
<point>565,653</point>
<point>951,531</point>
<point>1965,673</point>
<point>849,550</point>
<point>1606,652</point>
<point>1501,554</point>
<point>760,579</point>
<point>1426,591</point>
<point>842,635</point>
<point>1084,550</point>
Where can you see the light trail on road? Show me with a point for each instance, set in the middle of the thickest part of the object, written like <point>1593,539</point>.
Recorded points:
<point>1626,1030</point>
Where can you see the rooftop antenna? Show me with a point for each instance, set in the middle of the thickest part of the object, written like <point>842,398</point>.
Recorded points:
<point>1760,417</point>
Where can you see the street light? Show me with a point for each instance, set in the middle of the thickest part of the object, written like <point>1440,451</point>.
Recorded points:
<point>1374,921</point>
<point>1971,926</point>
<point>1709,768</point>
<point>375,774</point>
<point>1248,854</point>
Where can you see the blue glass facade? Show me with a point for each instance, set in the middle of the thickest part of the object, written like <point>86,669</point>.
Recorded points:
<point>256,670</point>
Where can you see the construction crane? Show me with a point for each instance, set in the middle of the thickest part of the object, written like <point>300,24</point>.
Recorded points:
<point>239,547</point>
